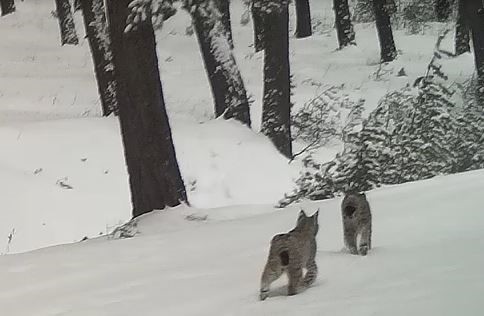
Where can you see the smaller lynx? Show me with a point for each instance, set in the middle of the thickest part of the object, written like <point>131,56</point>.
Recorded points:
<point>290,253</point>
<point>356,221</point>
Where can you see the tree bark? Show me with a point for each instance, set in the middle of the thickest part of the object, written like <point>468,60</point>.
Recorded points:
<point>344,27</point>
<point>303,17</point>
<point>228,90</point>
<point>7,6</point>
<point>66,23</point>
<point>224,8</point>
<point>384,29</point>
<point>258,24</point>
<point>77,5</point>
<point>154,176</point>
<point>277,86</point>
<point>443,9</point>
<point>462,31</point>
<point>94,15</point>
<point>474,14</point>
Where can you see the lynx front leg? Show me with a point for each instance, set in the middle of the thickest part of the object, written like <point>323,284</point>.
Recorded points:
<point>350,238</point>
<point>269,275</point>
<point>365,240</point>
<point>295,276</point>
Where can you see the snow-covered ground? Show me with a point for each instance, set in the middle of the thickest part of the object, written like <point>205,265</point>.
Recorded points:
<point>62,177</point>
<point>427,260</point>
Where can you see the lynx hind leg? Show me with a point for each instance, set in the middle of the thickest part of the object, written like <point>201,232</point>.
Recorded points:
<point>365,240</point>
<point>295,274</point>
<point>350,238</point>
<point>272,271</point>
<point>311,274</point>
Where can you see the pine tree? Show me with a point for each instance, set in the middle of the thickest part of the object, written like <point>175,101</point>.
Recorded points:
<point>462,31</point>
<point>384,29</point>
<point>344,26</point>
<point>230,96</point>
<point>97,33</point>
<point>363,11</point>
<point>154,176</point>
<point>303,19</point>
<point>77,5</point>
<point>66,23</point>
<point>7,6</point>
<point>276,102</point>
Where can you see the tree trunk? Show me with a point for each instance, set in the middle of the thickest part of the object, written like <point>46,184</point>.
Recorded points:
<point>443,9</point>
<point>154,175</point>
<point>66,23</point>
<point>77,5</point>
<point>384,29</point>
<point>99,42</point>
<point>277,86</point>
<point>344,27</point>
<point>228,90</point>
<point>474,14</point>
<point>7,6</point>
<point>462,32</point>
<point>303,16</point>
<point>224,8</point>
<point>258,22</point>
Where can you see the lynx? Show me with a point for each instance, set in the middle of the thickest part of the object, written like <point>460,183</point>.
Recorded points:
<point>356,221</point>
<point>290,253</point>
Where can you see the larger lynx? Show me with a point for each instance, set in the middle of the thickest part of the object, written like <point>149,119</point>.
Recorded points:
<point>290,253</point>
<point>356,221</point>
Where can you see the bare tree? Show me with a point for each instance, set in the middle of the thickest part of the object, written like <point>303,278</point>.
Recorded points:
<point>344,27</point>
<point>7,6</point>
<point>224,8</point>
<point>303,17</point>
<point>228,90</point>
<point>474,14</point>
<point>258,24</point>
<point>384,28</point>
<point>154,176</point>
<point>462,31</point>
<point>100,44</point>
<point>66,23</point>
<point>277,86</point>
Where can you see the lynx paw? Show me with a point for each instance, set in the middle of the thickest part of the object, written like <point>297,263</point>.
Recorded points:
<point>353,251</point>
<point>364,250</point>
<point>291,291</point>
<point>263,295</point>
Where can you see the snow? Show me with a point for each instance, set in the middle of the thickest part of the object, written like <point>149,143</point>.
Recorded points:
<point>425,261</point>
<point>63,177</point>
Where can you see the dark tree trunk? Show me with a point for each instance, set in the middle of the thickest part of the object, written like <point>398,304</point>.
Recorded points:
<point>77,5</point>
<point>277,86</point>
<point>303,17</point>
<point>344,27</point>
<point>224,8</point>
<point>384,29</point>
<point>7,6</point>
<point>462,31</point>
<point>258,23</point>
<point>66,23</point>
<point>97,34</point>
<point>228,90</point>
<point>474,13</point>
<point>154,175</point>
<point>443,9</point>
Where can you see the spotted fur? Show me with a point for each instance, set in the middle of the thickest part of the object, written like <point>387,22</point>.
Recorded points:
<point>356,215</point>
<point>290,253</point>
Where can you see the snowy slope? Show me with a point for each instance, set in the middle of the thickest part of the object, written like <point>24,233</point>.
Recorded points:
<point>50,129</point>
<point>427,260</point>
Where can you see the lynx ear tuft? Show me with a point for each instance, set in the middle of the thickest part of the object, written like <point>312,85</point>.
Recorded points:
<point>302,214</point>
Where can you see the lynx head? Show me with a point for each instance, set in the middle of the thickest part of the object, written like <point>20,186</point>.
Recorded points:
<point>308,223</point>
